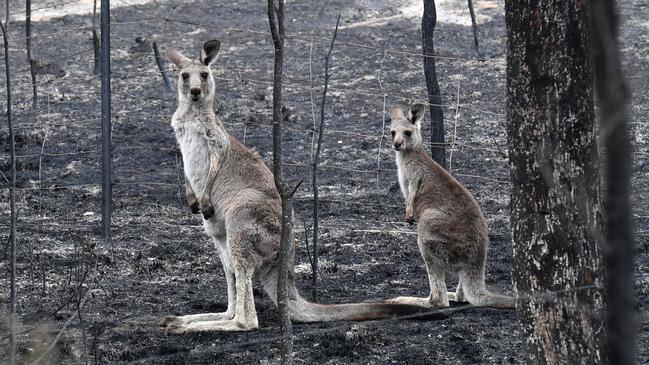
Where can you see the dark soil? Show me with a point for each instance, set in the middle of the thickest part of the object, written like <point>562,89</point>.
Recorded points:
<point>160,262</point>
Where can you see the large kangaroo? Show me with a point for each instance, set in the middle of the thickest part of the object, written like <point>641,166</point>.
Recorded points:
<point>452,233</point>
<point>241,210</point>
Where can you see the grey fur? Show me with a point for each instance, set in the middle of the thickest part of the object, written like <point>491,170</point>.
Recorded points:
<point>451,231</point>
<point>241,210</point>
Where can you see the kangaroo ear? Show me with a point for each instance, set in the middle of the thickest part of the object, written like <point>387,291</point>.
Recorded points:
<point>209,51</point>
<point>175,57</point>
<point>416,113</point>
<point>395,113</point>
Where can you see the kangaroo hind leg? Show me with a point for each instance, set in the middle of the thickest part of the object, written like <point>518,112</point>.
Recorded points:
<point>438,297</point>
<point>475,292</point>
<point>245,314</point>
<point>202,317</point>
<point>457,296</point>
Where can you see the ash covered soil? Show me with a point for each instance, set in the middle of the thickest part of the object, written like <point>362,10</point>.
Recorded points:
<point>110,297</point>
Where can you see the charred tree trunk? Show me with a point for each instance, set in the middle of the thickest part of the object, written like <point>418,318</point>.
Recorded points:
<point>614,133</point>
<point>428,21</point>
<point>278,31</point>
<point>556,208</point>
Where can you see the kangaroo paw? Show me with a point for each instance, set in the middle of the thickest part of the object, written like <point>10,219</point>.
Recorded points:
<point>168,320</point>
<point>410,219</point>
<point>208,211</point>
<point>193,206</point>
<point>175,329</point>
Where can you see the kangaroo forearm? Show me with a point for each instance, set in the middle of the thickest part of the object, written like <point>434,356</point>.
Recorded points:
<point>189,192</point>
<point>413,187</point>
<point>215,164</point>
<point>192,201</point>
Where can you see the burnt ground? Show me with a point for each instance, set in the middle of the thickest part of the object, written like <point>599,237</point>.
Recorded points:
<point>160,262</point>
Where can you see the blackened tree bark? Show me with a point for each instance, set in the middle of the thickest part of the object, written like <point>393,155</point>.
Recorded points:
<point>428,21</point>
<point>614,134</point>
<point>278,33</point>
<point>556,208</point>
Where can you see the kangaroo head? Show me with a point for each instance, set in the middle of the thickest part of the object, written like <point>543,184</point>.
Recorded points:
<point>405,128</point>
<point>195,81</point>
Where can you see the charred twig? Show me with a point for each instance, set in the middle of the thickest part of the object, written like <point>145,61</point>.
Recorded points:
<point>163,71</point>
<point>83,331</point>
<point>314,167</point>
<point>614,126</point>
<point>28,39</point>
<point>296,186</point>
<point>64,328</point>
<point>78,305</point>
<point>278,33</point>
<point>306,242</point>
<point>4,177</point>
<point>474,26</point>
<point>40,169</point>
<point>95,39</point>
<point>308,252</point>
<point>12,193</point>
<point>80,302</point>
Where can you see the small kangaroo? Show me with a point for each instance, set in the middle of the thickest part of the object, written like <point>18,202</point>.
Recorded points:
<point>452,233</point>
<point>241,212</point>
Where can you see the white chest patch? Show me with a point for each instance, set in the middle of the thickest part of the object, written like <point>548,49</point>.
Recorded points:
<point>401,175</point>
<point>194,148</point>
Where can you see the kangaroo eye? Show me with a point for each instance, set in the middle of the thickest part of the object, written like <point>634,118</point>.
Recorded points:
<point>204,74</point>
<point>392,133</point>
<point>185,75</point>
<point>408,133</point>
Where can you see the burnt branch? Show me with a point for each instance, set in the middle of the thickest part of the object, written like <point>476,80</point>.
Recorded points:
<point>163,71</point>
<point>314,167</point>
<point>95,40</point>
<point>12,198</point>
<point>30,60</point>
<point>474,27</point>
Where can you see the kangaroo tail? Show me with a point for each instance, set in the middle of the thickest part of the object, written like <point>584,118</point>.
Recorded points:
<point>301,310</point>
<point>489,299</point>
<point>476,293</point>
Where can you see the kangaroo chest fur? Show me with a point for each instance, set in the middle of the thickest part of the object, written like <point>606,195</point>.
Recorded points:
<point>201,139</point>
<point>401,174</point>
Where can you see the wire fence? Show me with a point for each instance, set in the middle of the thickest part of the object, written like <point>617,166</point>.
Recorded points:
<point>58,157</point>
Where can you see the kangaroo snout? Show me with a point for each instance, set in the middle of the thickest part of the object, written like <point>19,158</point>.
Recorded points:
<point>397,145</point>
<point>196,92</point>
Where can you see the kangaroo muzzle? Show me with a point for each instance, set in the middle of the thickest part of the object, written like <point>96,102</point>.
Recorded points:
<point>195,92</point>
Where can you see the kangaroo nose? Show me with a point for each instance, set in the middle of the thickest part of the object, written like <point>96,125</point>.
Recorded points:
<point>195,91</point>
<point>397,145</point>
